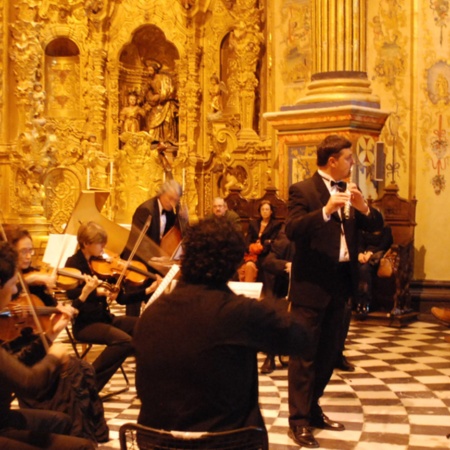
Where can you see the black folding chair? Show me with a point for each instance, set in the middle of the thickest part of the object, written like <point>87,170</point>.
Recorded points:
<point>134,436</point>
<point>86,347</point>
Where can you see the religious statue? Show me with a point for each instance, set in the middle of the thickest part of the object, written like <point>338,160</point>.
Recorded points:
<point>130,116</point>
<point>38,99</point>
<point>97,162</point>
<point>160,104</point>
<point>216,90</point>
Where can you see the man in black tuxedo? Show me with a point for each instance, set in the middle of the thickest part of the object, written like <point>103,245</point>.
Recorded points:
<point>163,209</point>
<point>324,216</point>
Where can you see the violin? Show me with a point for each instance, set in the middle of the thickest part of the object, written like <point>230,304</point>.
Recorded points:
<point>135,271</point>
<point>18,315</point>
<point>69,278</point>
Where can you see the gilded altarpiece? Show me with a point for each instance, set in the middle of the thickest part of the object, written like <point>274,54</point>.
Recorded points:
<point>94,86</point>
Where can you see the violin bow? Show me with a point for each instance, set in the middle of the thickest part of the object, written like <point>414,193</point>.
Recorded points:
<point>135,247</point>
<point>26,292</point>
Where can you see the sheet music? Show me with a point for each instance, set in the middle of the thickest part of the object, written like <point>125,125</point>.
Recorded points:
<point>59,248</point>
<point>164,283</point>
<point>252,290</point>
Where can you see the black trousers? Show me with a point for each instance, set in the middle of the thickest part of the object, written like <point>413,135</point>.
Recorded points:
<point>31,429</point>
<point>117,337</point>
<point>309,373</point>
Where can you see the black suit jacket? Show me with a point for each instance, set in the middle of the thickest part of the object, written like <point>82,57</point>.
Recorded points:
<point>140,216</point>
<point>203,341</point>
<point>317,242</point>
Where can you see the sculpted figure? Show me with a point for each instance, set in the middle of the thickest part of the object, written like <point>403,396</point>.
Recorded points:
<point>216,90</point>
<point>130,116</point>
<point>161,104</point>
<point>39,99</point>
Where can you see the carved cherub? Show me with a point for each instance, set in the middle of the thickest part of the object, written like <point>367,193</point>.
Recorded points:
<point>38,99</point>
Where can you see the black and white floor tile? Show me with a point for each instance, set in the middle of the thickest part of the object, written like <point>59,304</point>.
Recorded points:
<point>397,399</point>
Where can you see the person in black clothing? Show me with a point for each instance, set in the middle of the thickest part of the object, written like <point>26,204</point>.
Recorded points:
<point>95,323</point>
<point>261,232</point>
<point>372,247</point>
<point>325,214</point>
<point>196,347</point>
<point>39,284</point>
<point>277,270</point>
<point>166,216</point>
<point>23,429</point>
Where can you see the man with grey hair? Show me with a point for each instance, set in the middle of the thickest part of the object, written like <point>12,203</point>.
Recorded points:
<point>164,212</point>
<point>220,209</point>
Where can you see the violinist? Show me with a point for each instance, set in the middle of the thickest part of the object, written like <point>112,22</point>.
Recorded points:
<point>165,212</point>
<point>24,429</point>
<point>39,283</point>
<point>95,323</point>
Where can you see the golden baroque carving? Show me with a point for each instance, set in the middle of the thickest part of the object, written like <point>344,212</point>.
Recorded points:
<point>138,175</point>
<point>26,54</point>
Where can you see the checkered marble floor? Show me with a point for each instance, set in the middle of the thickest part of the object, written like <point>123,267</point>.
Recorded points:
<point>397,399</point>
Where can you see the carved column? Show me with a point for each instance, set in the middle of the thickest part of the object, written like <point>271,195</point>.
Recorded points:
<point>96,94</point>
<point>26,54</point>
<point>245,47</point>
<point>189,94</point>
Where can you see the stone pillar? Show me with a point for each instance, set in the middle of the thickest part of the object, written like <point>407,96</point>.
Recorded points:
<point>339,54</point>
<point>339,99</point>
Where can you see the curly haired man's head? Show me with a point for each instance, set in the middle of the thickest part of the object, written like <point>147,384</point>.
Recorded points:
<point>213,250</point>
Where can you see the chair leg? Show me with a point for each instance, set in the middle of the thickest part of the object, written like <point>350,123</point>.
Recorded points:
<point>86,347</point>
<point>118,391</point>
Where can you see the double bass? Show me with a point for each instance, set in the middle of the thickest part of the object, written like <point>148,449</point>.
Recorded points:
<point>171,241</point>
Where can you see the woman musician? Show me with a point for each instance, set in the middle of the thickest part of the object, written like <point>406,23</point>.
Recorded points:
<point>63,393</point>
<point>21,428</point>
<point>95,323</point>
<point>39,283</point>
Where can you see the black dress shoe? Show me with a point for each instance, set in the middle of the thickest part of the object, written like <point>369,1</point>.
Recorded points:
<point>362,310</point>
<point>268,364</point>
<point>343,364</point>
<point>303,436</point>
<point>325,423</point>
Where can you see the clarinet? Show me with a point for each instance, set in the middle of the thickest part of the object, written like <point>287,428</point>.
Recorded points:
<point>348,204</point>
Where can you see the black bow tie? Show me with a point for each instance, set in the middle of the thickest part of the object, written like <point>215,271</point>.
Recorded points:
<point>340,185</point>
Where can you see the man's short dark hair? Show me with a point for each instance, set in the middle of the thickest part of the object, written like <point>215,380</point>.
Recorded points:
<point>8,262</point>
<point>331,146</point>
<point>213,250</point>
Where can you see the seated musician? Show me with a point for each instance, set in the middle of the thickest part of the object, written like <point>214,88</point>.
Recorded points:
<point>94,322</point>
<point>39,284</point>
<point>203,340</point>
<point>164,211</point>
<point>22,429</point>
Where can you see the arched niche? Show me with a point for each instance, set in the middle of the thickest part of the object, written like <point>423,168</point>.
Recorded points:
<point>148,99</point>
<point>62,78</point>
